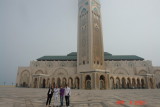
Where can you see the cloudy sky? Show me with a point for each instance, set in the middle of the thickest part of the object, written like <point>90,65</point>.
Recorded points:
<point>30,29</point>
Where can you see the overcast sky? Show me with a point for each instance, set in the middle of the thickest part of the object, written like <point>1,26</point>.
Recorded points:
<point>30,29</point>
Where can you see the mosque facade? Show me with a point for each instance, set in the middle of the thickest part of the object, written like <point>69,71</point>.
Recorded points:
<point>90,67</point>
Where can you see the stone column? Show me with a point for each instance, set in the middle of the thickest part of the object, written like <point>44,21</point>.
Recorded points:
<point>147,82</point>
<point>32,82</point>
<point>107,82</point>
<point>154,82</point>
<point>82,81</point>
<point>94,81</point>
<point>38,82</point>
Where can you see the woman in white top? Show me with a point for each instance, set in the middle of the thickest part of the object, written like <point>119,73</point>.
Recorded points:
<point>55,94</point>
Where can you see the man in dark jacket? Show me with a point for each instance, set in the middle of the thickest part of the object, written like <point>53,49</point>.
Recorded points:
<point>49,96</point>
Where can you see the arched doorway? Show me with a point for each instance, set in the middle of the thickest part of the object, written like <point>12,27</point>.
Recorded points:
<point>142,83</point>
<point>35,83</point>
<point>159,85</point>
<point>77,83</point>
<point>58,82</point>
<point>128,83</point>
<point>53,82</point>
<point>111,82</point>
<point>48,82</point>
<point>133,83</point>
<point>138,83</point>
<point>102,82</point>
<point>117,83</point>
<point>88,82</point>
<point>70,82</point>
<point>24,84</point>
<point>123,83</point>
<point>44,83</point>
<point>64,82</point>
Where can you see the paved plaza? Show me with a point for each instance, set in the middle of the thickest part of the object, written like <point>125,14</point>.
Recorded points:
<point>30,97</point>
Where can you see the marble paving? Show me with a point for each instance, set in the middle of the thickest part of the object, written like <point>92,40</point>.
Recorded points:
<point>30,97</point>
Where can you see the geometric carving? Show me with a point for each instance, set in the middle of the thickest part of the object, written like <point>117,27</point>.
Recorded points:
<point>39,72</point>
<point>121,71</point>
<point>60,72</point>
<point>142,72</point>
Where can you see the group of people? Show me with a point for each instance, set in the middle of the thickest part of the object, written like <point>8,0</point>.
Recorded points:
<point>55,92</point>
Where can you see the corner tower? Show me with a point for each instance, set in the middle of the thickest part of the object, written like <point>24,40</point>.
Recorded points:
<point>90,41</point>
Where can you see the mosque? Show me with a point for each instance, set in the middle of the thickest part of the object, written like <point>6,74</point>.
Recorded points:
<point>90,67</point>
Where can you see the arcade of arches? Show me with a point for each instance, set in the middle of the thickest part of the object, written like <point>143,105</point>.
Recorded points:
<point>102,81</point>
<point>46,82</point>
<point>88,81</point>
<point>129,83</point>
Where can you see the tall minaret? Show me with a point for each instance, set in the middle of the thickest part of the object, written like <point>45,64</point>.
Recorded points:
<point>90,42</point>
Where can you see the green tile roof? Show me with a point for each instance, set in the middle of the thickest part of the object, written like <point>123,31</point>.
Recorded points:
<point>73,57</point>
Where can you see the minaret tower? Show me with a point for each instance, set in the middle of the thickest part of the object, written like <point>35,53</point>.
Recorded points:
<point>90,41</point>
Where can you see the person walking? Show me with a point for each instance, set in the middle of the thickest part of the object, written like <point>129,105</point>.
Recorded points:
<point>49,96</point>
<point>61,95</point>
<point>55,94</point>
<point>67,95</point>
